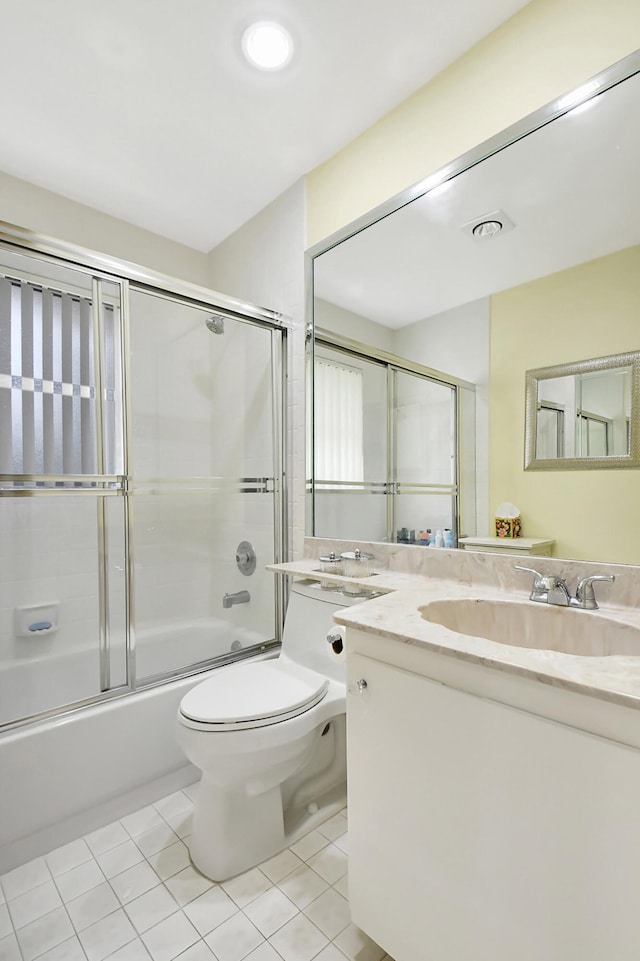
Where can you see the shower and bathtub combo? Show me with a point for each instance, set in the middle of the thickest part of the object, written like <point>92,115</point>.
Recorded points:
<point>142,426</point>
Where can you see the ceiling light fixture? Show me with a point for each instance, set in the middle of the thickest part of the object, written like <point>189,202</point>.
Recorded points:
<point>488,225</point>
<point>267,45</point>
<point>486,229</point>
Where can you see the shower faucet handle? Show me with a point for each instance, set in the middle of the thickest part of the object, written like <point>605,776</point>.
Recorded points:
<point>245,558</point>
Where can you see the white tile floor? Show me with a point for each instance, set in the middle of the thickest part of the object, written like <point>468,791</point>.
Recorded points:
<point>128,892</point>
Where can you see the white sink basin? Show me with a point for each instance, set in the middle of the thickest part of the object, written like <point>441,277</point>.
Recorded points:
<point>540,626</point>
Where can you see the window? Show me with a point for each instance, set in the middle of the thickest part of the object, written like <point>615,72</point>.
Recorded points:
<point>48,402</point>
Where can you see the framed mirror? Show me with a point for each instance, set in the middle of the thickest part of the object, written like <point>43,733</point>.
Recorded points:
<point>583,416</point>
<point>522,255</point>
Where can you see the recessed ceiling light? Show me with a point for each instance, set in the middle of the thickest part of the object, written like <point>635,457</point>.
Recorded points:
<point>488,225</point>
<point>487,228</point>
<point>267,45</point>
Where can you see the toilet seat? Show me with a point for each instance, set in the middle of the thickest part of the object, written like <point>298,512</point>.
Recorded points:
<point>253,695</point>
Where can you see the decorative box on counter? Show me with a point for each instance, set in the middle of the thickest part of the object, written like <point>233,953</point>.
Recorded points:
<point>508,522</point>
<point>508,527</point>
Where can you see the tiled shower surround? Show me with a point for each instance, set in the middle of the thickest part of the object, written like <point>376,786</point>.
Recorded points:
<point>128,892</point>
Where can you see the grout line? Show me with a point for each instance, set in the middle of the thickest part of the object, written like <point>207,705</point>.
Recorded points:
<point>179,908</point>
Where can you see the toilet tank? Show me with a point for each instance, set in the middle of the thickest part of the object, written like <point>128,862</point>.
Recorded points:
<point>308,620</point>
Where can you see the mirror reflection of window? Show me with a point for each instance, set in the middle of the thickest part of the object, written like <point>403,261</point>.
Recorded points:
<point>339,441</point>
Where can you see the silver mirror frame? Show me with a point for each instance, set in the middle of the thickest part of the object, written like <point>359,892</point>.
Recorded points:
<point>597,365</point>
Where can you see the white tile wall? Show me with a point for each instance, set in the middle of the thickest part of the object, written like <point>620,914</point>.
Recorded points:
<point>48,554</point>
<point>263,262</point>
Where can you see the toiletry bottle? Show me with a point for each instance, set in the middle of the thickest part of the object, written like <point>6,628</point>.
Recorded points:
<point>439,541</point>
<point>448,537</point>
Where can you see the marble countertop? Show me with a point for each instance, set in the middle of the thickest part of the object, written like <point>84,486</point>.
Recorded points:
<point>396,615</point>
<point>381,581</point>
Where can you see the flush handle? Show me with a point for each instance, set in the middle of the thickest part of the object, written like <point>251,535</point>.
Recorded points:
<point>361,685</point>
<point>334,639</point>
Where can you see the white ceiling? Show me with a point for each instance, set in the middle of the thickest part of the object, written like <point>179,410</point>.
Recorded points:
<point>146,110</point>
<point>570,189</point>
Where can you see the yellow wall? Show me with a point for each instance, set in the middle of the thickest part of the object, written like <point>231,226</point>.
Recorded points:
<point>589,311</point>
<point>547,49</point>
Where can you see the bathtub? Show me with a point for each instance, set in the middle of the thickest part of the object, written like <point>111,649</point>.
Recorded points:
<point>69,775</point>
<point>44,682</point>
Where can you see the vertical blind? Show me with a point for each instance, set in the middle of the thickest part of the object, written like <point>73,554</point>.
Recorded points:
<point>339,416</point>
<point>48,404</point>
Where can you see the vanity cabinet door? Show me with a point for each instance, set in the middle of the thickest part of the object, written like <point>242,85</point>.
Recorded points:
<point>480,832</point>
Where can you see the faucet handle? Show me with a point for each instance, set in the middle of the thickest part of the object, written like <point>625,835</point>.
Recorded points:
<point>585,594</point>
<point>529,570</point>
<point>539,586</point>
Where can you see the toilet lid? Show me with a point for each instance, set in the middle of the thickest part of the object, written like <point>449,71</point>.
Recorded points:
<point>252,695</point>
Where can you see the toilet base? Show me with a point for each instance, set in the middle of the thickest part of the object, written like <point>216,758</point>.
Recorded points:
<point>238,827</point>
<point>232,835</point>
<point>232,831</point>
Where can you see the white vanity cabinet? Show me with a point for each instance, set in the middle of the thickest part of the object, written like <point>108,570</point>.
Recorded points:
<point>479,831</point>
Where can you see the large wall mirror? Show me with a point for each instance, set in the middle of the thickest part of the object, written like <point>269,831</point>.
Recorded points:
<point>524,255</point>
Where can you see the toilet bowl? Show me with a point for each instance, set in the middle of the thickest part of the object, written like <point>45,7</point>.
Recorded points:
<point>269,738</point>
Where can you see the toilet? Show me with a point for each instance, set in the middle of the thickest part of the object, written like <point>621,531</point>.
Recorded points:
<point>269,738</point>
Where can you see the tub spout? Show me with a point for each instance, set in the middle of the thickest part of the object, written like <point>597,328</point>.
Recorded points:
<point>240,597</point>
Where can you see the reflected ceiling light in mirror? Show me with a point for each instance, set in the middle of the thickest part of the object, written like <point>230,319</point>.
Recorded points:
<point>584,106</point>
<point>578,95</point>
<point>486,229</point>
<point>488,225</point>
<point>267,45</point>
<point>439,190</point>
<point>435,203</point>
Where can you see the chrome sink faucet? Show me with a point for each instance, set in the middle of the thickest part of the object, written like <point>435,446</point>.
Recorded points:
<point>549,589</point>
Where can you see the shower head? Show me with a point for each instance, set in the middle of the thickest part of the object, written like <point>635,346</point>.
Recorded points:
<point>215,324</point>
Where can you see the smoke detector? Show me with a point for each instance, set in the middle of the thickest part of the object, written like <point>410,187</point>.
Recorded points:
<point>488,225</point>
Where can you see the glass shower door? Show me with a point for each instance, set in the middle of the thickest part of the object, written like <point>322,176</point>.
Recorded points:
<point>205,401</point>
<point>62,558</point>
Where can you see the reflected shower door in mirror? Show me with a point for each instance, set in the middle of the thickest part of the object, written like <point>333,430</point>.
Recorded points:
<point>350,446</point>
<point>385,448</point>
<point>558,282</point>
